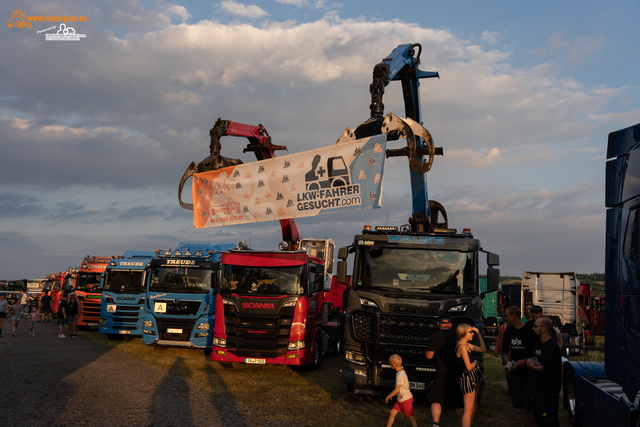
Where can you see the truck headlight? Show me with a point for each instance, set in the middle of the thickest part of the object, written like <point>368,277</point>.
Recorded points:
<point>354,357</point>
<point>458,308</point>
<point>295,345</point>
<point>290,303</point>
<point>103,320</point>
<point>147,323</point>
<point>219,342</point>
<point>108,298</point>
<point>204,326</point>
<point>367,304</point>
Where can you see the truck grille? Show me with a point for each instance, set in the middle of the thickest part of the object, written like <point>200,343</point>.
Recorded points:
<point>263,336</point>
<point>389,329</point>
<point>90,310</point>
<point>126,315</point>
<point>182,308</point>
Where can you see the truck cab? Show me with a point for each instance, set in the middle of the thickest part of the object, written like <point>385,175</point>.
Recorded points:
<point>123,294</point>
<point>180,298</point>
<point>403,282</point>
<point>270,308</point>
<point>85,282</point>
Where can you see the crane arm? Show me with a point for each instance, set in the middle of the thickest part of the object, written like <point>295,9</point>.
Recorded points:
<point>259,143</point>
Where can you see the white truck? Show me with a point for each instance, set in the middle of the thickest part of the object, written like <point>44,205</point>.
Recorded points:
<point>558,295</point>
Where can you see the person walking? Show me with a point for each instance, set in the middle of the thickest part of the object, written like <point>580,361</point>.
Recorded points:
<point>546,375</point>
<point>72,317</point>
<point>404,401</point>
<point>15,311</point>
<point>63,308</point>
<point>4,308</point>
<point>470,378</point>
<point>442,348</point>
<point>33,321</point>
<point>520,338</point>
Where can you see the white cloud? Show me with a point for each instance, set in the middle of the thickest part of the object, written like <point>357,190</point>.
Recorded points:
<point>239,9</point>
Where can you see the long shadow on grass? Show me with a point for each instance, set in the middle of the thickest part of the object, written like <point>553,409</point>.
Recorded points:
<point>172,397</point>
<point>226,406</point>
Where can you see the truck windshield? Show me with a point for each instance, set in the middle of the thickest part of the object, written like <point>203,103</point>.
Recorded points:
<point>264,280</point>
<point>125,282</point>
<point>88,282</point>
<point>186,280</point>
<point>69,283</point>
<point>47,286</point>
<point>415,270</point>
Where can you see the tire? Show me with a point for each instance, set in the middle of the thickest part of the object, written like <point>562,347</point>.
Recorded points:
<point>570,398</point>
<point>317,352</point>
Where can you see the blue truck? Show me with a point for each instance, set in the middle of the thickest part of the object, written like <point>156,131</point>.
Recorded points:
<point>180,295</point>
<point>123,285</point>
<point>597,394</point>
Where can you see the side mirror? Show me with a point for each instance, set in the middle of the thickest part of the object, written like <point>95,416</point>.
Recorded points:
<point>493,279</point>
<point>343,253</point>
<point>493,260</point>
<point>342,271</point>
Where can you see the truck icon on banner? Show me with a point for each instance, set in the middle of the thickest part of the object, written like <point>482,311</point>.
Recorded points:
<point>18,19</point>
<point>337,174</point>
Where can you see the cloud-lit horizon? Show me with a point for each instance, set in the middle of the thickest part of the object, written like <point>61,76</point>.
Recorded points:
<point>97,133</point>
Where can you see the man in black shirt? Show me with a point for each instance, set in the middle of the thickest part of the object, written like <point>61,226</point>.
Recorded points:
<point>546,375</point>
<point>442,347</point>
<point>520,338</point>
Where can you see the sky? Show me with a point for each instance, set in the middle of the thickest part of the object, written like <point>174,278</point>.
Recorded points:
<point>95,134</point>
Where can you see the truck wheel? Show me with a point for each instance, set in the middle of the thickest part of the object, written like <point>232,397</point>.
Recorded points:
<point>571,400</point>
<point>317,352</point>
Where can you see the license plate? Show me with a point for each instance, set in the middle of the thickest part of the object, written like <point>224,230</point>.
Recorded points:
<point>255,361</point>
<point>124,332</point>
<point>174,331</point>
<point>416,386</point>
<point>92,324</point>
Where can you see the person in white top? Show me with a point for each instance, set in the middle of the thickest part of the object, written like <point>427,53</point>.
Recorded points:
<point>404,402</point>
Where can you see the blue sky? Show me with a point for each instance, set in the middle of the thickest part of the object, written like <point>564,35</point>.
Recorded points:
<point>95,134</point>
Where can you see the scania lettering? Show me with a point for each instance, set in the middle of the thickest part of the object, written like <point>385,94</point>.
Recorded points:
<point>123,296</point>
<point>405,278</point>
<point>180,301</point>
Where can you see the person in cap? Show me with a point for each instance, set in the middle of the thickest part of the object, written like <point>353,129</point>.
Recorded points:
<point>536,313</point>
<point>442,346</point>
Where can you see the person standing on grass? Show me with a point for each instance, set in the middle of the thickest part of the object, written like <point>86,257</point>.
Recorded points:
<point>470,378</point>
<point>404,402</point>
<point>546,375</point>
<point>520,338</point>
<point>442,348</point>
<point>63,309</point>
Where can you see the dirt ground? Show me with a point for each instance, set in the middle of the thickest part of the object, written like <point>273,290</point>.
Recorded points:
<point>48,381</point>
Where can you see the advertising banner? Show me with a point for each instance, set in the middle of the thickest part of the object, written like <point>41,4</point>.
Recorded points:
<point>343,177</point>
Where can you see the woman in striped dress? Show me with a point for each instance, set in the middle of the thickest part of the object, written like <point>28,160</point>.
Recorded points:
<point>471,372</point>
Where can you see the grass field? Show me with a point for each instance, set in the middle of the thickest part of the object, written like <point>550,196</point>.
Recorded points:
<point>300,395</point>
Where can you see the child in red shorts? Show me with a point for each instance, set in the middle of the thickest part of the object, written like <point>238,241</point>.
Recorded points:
<point>404,402</point>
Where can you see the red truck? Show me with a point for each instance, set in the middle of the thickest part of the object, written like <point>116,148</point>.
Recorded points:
<point>271,308</point>
<point>85,281</point>
<point>586,312</point>
<point>53,285</point>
